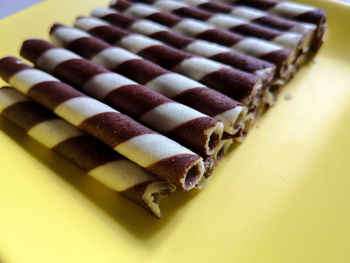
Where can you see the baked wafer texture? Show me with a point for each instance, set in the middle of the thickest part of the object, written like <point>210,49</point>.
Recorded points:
<point>184,124</point>
<point>225,55</point>
<point>239,85</point>
<point>276,54</point>
<point>260,17</point>
<point>291,40</point>
<point>92,156</point>
<point>296,11</point>
<point>171,85</point>
<point>158,154</point>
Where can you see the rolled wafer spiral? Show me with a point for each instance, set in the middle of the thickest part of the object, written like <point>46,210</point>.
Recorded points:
<point>276,54</point>
<point>156,153</point>
<point>171,85</point>
<point>94,157</point>
<point>291,40</point>
<point>296,11</point>
<point>260,17</point>
<point>238,85</point>
<point>192,128</point>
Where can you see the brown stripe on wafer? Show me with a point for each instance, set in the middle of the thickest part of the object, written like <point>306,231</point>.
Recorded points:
<point>256,31</point>
<point>176,40</point>
<point>141,71</point>
<point>11,69</point>
<point>81,43</point>
<point>239,87</point>
<point>264,4</point>
<point>162,167</point>
<point>37,114</point>
<point>111,35</point>
<point>131,99</point>
<point>193,97</point>
<point>164,56</point>
<point>220,36</point>
<point>192,12</point>
<point>215,7</point>
<point>51,94</point>
<point>86,151</point>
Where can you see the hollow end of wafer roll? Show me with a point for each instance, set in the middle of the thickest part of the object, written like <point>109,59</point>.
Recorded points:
<point>154,193</point>
<point>213,135</point>
<point>239,124</point>
<point>225,144</point>
<point>193,175</point>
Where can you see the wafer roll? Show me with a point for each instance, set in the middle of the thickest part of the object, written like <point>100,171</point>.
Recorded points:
<point>237,84</point>
<point>158,154</point>
<point>295,11</point>
<point>171,85</point>
<point>94,157</point>
<point>184,124</point>
<point>276,54</point>
<point>225,144</point>
<point>265,70</point>
<point>291,40</point>
<point>260,17</point>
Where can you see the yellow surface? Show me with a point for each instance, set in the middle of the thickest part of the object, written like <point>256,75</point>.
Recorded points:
<point>283,196</point>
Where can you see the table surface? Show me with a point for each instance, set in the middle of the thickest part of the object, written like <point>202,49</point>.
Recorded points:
<point>282,196</point>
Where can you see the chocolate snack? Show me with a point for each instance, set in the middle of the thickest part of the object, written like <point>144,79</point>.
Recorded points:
<point>290,40</point>
<point>158,154</point>
<point>260,17</point>
<point>94,157</point>
<point>262,69</point>
<point>171,85</point>
<point>276,54</point>
<point>291,10</point>
<point>225,55</point>
<point>184,124</point>
<point>238,85</point>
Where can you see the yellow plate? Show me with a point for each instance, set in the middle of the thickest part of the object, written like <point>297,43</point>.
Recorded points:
<point>282,196</point>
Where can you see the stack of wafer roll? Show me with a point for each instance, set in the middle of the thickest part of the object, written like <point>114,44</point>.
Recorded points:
<point>151,150</point>
<point>296,11</point>
<point>184,124</point>
<point>282,57</point>
<point>291,40</point>
<point>266,71</point>
<point>172,85</point>
<point>175,84</point>
<point>94,157</point>
<point>261,17</point>
<point>239,85</point>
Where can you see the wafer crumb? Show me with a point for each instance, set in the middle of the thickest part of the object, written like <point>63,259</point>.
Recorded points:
<point>288,97</point>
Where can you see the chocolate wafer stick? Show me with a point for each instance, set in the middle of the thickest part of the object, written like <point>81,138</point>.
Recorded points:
<point>291,40</point>
<point>202,48</point>
<point>296,11</point>
<point>158,154</point>
<point>171,85</point>
<point>237,84</point>
<point>184,124</point>
<point>92,156</point>
<point>276,54</point>
<point>260,17</point>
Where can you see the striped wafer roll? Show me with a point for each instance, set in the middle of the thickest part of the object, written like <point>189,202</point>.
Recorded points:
<point>291,40</point>
<point>237,84</point>
<point>171,85</point>
<point>182,123</point>
<point>295,11</point>
<point>94,157</point>
<point>258,16</point>
<point>276,54</point>
<point>158,154</point>
<point>225,55</point>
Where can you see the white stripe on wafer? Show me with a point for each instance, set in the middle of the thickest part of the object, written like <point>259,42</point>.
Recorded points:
<point>79,109</point>
<point>112,57</point>
<point>52,132</point>
<point>101,84</point>
<point>147,155</point>
<point>26,79</point>
<point>136,43</point>
<point>158,116</point>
